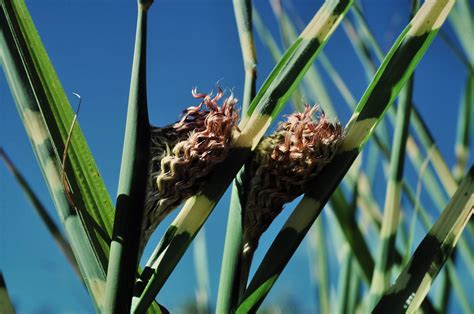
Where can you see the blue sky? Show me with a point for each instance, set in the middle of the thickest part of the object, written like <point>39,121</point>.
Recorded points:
<point>191,43</point>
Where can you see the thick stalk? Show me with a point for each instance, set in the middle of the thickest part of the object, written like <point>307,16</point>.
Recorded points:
<point>124,249</point>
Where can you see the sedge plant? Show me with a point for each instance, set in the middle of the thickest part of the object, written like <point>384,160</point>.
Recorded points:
<point>307,157</point>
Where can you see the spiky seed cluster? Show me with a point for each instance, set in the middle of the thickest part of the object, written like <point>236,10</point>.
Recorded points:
<point>283,163</point>
<point>184,154</point>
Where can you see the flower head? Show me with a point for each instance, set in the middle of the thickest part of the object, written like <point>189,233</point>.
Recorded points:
<point>184,154</point>
<point>283,164</point>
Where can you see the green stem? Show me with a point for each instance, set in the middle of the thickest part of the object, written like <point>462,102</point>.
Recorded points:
<point>124,249</point>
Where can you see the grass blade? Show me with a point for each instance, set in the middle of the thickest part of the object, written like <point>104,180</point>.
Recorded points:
<point>263,109</point>
<point>415,280</point>
<point>344,216</point>
<point>421,129</point>
<point>277,88</point>
<point>42,213</point>
<point>6,304</point>
<point>389,79</point>
<point>124,249</point>
<point>453,276</point>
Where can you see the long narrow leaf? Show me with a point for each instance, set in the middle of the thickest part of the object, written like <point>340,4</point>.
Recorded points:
<point>415,280</point>
<point>47,117</point>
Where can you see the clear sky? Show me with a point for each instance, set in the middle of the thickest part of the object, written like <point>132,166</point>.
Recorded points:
<point>191,43</point>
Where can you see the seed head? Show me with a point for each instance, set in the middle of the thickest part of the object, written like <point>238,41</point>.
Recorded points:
<point>282,165</point>
<point>184,154</point>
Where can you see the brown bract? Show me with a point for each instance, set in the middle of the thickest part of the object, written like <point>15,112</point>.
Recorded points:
<point>184,154</point>
<point>282,165</point>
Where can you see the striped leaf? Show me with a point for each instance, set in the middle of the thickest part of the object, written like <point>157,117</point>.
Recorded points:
<point>47,116</point>
<point>397,66</point>
<point>414,282</point>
